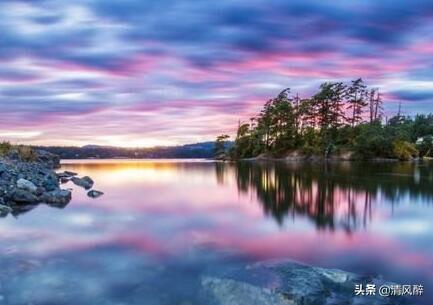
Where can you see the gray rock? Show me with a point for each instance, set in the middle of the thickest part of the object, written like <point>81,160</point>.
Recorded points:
<point>94,194</point>
<point>50,182</point>
<point>280,282</point>
<point>26,185</point>
<point>64,180</point>
<point>50,160</point>
<point>230,292</point>
<point>23,196</point>
<point>39,191</point>
<point>5,210</point>
<point>66,174</point>
<point>70,174</point>
<point>57,197</point>
<point>85,182</point>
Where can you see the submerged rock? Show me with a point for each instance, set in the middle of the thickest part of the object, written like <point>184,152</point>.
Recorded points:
<point>94,194</point>
<point>291,283</point>
<point>85,182</point>
<point>230,292</point>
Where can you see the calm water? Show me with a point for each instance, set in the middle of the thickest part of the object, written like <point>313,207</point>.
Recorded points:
<point>161,225</point>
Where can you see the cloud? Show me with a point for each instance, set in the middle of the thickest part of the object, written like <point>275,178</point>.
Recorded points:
<point>194,66</point>
<point>414,95</point>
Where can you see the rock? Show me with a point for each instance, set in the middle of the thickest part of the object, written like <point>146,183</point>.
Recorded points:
<point>26,185</point>
<point>4,210</point>
<point>39,191</point>
<point>50,182</point>
<point>85,182</point>
<point>70,174</point>
<point>94,194</point>
<point>295,155</point>
<point>290,283</point>
<point>23,196</point>
<point>66,174</point>
<point>230,292</point>
<point>343,156</point>
<point>64,180</point>
<point>57,197</point>
<point>47,158</point>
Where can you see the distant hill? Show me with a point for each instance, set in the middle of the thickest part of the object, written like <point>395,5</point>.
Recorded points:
<point>197,150</point>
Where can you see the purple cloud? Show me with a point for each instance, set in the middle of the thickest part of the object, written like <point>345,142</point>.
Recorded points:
<point>186,70</point>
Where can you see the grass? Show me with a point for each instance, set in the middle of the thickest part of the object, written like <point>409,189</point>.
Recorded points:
<point>25,153</point>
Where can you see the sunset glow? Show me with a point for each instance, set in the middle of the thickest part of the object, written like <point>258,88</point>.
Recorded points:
<point>145,73</point>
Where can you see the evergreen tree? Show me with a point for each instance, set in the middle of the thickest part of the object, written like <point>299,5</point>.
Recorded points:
<point>331,120</point>
<point>220,145</point>
<point>356,101</point>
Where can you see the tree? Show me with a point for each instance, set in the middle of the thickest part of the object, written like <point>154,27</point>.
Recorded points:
<point>375,105</point>
<point>356,101</point>
<point>422,126</point>
<point>425,148</point>
<point>243,143</point>
<point>328,105</point>
<point>306,113</point>
<point>334,119</point>
<point>283,125</point>
<point>220,145</point>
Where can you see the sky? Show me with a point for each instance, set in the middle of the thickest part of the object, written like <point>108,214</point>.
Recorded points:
<point>157,72</point>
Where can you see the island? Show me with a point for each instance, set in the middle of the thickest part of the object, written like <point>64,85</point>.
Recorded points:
<point>340,122</point>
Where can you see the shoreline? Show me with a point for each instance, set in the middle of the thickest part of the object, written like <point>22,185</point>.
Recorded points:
<point>28,182</point>
<point>254,159</point>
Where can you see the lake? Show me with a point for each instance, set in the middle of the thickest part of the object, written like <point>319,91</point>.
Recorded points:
<point>162,224</point>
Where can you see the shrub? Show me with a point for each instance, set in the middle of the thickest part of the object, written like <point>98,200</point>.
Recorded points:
<point>404,150</point>
<point>5,148</point>
<point>372,142</point>
<point>312,143</point>
<point>26,153</point>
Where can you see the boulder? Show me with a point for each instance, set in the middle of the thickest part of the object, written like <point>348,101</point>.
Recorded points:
<point>85,182</point>
<point>230,292</point>
<point>4,210</point>
<point>50,182</point>
<point>57,197</point>
<point>23,196</point>
<point>26,185</point>
<point>94,194</point>
<point>290,283</point>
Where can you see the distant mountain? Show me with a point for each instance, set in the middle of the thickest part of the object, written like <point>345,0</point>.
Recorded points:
<point>196,150</point>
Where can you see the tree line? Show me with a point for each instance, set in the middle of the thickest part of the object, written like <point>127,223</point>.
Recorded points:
<point>339,118</point>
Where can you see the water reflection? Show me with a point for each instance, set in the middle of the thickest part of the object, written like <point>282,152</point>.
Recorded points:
<point>332,195</point>
<point>161,225</point>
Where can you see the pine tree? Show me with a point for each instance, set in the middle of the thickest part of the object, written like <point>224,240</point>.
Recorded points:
<point>356,101</point>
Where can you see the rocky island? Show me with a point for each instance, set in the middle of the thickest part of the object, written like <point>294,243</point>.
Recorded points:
<point>28,178</point>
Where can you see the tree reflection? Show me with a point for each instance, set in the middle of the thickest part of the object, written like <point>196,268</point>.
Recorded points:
<point>335,196</point>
